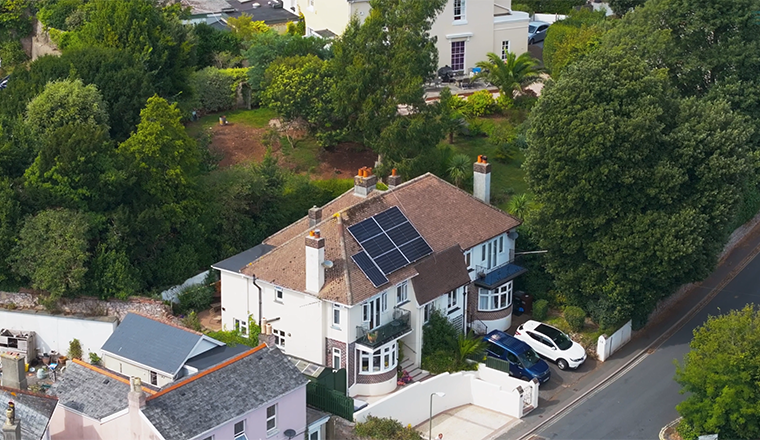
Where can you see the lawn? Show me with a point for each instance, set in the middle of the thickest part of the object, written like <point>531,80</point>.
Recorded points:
<point>256,118</point>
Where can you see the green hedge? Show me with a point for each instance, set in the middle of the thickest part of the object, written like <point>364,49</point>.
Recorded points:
<point>215,89</point>
<point>575,317</point>
<point>540,309</point>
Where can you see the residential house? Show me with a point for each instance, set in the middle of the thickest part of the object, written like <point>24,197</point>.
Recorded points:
<point>342,286</point>
<point>465,31</point>
<point>27,414</point>
<point>216,12</point>
<point>258,394</point>
<point>154,351</point>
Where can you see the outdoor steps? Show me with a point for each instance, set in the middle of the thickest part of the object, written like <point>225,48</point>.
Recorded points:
<point>417,374</point>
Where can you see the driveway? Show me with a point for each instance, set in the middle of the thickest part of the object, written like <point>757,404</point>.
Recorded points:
<point>468,422</point>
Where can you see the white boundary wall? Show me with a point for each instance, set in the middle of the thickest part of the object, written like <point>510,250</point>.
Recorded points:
<point>605,346</point>
<point>548,18</point>
<point>54,332</point>
<point>486,388</point>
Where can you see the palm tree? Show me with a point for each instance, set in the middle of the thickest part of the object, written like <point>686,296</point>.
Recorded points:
<point>511,74</point>
<point>519,206</point>
<point>459,165</point>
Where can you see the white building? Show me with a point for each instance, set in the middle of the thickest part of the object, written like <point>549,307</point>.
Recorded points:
<point>466,30</point>
<point>342,286</point>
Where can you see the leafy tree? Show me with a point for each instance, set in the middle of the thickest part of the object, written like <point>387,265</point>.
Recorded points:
<point>512,74</point>
<point>11,55</point>
<point>65,103</point>
<point>297,28</point>
<point>459,168</point>
<point>26,84</point>
<point>297,87</point>
<point>210,41</point>
<point>720,376</point>
<point>13,18</point>
<point>55,13</point>
<point>52,251</point>
<point>216,89</point>
<point>244,27</point>
<point>451,117</point>
<point>10,214</point>
<point>633,186</point>
<point>112,274</point>
<point>519,205</point>
<point>620,7</point>
<point>572,38</point>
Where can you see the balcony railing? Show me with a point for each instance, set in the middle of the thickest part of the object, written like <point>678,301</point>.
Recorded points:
<point>398,327</point>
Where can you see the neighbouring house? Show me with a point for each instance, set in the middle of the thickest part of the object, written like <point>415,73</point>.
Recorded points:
<point>257,394</point>
<point>30,413</point>
<point>466,30</point>
<point>156,352</point>
<point>216,12</point>
<point>342,286</point>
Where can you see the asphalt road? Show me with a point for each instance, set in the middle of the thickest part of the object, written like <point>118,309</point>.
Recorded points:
<point>642,400</point>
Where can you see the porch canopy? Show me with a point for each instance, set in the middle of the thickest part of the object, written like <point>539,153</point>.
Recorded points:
<point>500,276</point>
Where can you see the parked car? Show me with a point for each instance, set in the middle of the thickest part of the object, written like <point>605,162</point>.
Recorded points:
<point>537,31</point>
<point>523,361</point>
<point>552,344</point>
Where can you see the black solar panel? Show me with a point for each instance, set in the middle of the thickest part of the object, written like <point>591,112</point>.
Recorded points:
<point>390,218</point>
<point>365,230</point>
<point>378,245</point>
<point>416,249</point>
<point>391,261</point>
<point>370,269</point>
<point>403,233</point>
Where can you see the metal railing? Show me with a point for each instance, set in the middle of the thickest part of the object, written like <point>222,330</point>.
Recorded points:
<point>385,333</point>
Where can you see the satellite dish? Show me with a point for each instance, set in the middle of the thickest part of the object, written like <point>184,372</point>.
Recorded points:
<point>290,433</point>
<point>328,264</point>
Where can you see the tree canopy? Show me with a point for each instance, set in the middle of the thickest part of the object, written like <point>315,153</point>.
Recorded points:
<point>720,376</point>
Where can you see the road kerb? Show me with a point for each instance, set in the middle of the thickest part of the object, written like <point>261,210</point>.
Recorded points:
<point>669,425</point>
<point>644,352</point>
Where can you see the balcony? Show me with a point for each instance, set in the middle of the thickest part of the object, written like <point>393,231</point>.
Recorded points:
<point>398,327</point>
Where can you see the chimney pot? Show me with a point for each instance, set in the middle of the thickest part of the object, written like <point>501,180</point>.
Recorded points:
<point>394,179</point>
<point>393,172</point>
<point>364,182</point>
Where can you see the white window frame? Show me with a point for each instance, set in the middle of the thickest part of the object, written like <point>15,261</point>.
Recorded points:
<point>318,433</point>
<point>461,6</point>
<point>273,418</point>
<point>380,361</point>
<point>211,437</point>
<point>153,378</point>
<point>279,338</point>
<point>236,433</point>
<point>336,315</point>
<point>464,55</point>
<point>384,302</point>
<point>336,353</point>
<point>468,259</point>
<point>505,49</point>
<point>453,299</point>
<point>497,299</point>
<point>241,326</point>
<point>427,311</point>
<point>402,293</point>
<point>278,294</point>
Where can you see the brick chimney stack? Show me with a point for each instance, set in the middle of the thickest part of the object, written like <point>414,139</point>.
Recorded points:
<point>315,262</point>
<point>481,176</point>
<point>136,396</point>
<point>12,425</point>
<point>364,182</point>
<point>315,216</point>
<point>14,371</point>
<point>394,179</point>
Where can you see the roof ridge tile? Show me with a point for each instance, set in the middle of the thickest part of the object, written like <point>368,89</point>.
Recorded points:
<point>107,373</point>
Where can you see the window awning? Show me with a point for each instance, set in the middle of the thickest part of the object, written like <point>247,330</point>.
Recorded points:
<point>500,276</point>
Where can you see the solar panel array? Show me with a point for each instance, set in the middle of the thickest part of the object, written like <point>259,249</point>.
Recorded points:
<point>390,242</point>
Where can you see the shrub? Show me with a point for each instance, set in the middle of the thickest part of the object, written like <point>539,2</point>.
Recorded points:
<point>439,334</point>
<point>192,321</point>
<point>385,429</point>
<point>75,349</point>
<point>480,103</point>
<point>233,337</point>
<point>540,309</point>
<point>195,298</point>
<point>575,317</point>
<point>216,89</point>
<point>95,359</point>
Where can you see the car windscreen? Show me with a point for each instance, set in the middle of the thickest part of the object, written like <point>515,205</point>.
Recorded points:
<point>531,29</point>
<point>559,338</point>
<point>528,358</point>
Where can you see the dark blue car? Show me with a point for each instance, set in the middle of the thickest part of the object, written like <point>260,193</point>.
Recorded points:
<point>523,361</point>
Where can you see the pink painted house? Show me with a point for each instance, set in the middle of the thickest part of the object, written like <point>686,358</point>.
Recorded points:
<point>258,394</point>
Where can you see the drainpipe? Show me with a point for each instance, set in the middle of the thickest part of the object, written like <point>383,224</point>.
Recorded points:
<point>258,287</point>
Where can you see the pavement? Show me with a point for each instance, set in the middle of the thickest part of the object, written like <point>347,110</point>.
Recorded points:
<point>468,422</point>
<point>633,394</point>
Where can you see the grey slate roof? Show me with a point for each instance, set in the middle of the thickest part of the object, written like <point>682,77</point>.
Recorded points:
<point>160,346</point>
<point>258,377</point>
<point>216,356</point>
<point>32,410</point>
<point>92,393</point>
<point>239,261</point>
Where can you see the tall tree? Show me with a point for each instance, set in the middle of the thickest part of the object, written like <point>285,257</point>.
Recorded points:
<point>52,251</point>
<point>720,376</point>
<point>382,64</point>
<point>244,27</point>
<point>10,216</point>
<point>297,87</point>
<point>633,186</point>
<point>511,74</point>
<point>451,117</point>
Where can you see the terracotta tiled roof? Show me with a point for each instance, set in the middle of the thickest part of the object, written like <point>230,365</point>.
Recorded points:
<point>444,214</point>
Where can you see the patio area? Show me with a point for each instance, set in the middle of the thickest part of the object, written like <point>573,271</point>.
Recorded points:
<point>467,422</point>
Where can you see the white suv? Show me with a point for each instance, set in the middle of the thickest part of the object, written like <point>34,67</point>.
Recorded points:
<point>552,344</point>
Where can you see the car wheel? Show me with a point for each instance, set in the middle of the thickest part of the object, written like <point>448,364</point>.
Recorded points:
<point>525,378</point>
<point>530,42</point>
<point>561,364</point>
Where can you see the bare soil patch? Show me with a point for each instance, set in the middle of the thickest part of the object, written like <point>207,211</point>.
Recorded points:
<point>343,160</point>
<point>237,143</point>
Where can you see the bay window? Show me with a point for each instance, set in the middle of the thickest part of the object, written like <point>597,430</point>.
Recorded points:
<point>379,361</point>
<point>497,299</point>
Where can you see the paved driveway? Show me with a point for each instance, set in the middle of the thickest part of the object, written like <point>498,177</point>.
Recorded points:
<point>468,422</point>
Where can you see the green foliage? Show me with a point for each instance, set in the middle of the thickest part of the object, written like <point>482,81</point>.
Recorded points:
<point>519,206</point>
<point>444,348</point>
<point>112,273</point>
<point>540,309</point>
<point>439,334</point>
<point>195,298</point>
<point>211,42</point>
<point>244,27</point>
<point>75,349</point>
<point>10,215</point>
<point>14,20</point>
<point>571,39</point>
<point>450,113</point>
<point>297,87</point>
<point>12,55</point>
<point>377,428</point>
<point>459,168</point>
<point>234,337</point>
<point>510,75</point>
<point>55,14</point>
<point>575,317</point>
<point>620,7</point>
<point>297,28</point>
<point>471,346</point>
<point>480,103</point>
<point>52,251</point>
<point>719,376</point>
<point>629,215</point>
<point>191,321</point>
<point>216,89</point>
<point>94,358</point>
<point>503,136</point>
<point>334,187</point>
<point>547,6</point>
